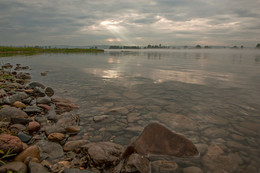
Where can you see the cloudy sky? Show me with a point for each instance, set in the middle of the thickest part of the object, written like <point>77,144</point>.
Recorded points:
<point>130,22</point>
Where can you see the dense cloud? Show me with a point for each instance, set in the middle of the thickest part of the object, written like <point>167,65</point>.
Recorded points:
<point>128,22</point>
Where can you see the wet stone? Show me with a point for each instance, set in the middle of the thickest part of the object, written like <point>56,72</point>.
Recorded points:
<point>36,84</point>
<point>56,136</point>
<point>237,137</point>
<point>192,169</point>
<point>74,170</point>
<point>136,163</point>
<point>50,150</point>
<point>14,167</point>
<point>20,121</point>
<point>33,126</point>
<point>157,139</point>
<point>72,145</point>
<point>99,118</point>
<point>8,142</point>
<point>164,166</point>
<point>73,129</point>
<point>19,104</point>
<point>32,110</point>
<point>131,117</point>
<point>15,128</point>
<point>36,167</point>
<point>215,132</point>
<point>43,100</point>
<point>24,137</point>
<point>103,154</point>
<point>49,92</point>
<point>10,112</point>
<point>32,151</point>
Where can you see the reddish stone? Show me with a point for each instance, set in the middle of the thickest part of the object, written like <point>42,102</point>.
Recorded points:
<point>46,107</point>
<point>28,91</point>
<point>63,105</point>
<point>19,104</point>
<point>33,126</point>
<point>157,139</point>
<point>56,136</point>
<point>32,151</point>
<point>9,142</point>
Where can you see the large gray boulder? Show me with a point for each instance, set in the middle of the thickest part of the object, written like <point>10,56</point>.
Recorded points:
<point>157,139</point>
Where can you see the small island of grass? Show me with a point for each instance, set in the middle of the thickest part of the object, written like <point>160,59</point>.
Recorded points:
<point>11,51</point>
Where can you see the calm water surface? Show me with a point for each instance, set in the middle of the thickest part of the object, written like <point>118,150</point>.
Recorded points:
<point>210,96</point>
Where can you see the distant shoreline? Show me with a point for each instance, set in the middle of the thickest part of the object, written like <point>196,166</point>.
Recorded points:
<point>10,51</point>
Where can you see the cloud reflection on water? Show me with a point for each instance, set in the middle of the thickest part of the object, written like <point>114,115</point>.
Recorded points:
<point>160,75</point>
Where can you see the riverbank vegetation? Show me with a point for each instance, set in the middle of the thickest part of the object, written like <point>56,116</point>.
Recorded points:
<point>10,51</point>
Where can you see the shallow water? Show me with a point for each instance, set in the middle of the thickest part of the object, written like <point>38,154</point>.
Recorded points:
<point>210,96</point>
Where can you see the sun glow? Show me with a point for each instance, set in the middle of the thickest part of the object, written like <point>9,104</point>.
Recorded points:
<point>119,32</point>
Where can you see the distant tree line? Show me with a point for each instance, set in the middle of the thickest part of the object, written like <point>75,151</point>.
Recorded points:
<point>124,47</point>
<point>156,47</point>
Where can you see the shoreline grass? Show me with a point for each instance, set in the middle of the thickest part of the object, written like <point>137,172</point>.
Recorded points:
<point>11,51</point>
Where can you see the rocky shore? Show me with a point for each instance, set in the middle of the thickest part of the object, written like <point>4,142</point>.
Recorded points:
<point>37,132</point>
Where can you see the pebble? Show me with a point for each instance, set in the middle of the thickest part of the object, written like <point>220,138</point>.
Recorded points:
<point>72,145</point>
<point>32,151</point>
<point>14,167</point>
<point>164,166</point>
<point>19,104</point>
<point>20,121</point>
<point>33,126</point>
<point>24,137</point>
<point>73,129</point>
<point>50,150</point>
<point>192,169</point>
<point>49,92</point>
<point>43,100</point>
<point>56,136</point>
<point>32,110</point>
<point>36,167</point>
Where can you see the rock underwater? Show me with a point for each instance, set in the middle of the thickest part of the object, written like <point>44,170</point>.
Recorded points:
<point>157,139</point>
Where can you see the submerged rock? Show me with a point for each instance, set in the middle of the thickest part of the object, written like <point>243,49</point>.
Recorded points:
<point>217,161</point>
<point>72,145</point>
<point>164,166</point>
<point>103,154</point>
<point>63,105</point>
<point>136,163</point>
<point>157,139</point>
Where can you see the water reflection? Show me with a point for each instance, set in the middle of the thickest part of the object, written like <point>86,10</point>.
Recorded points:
<point>105,74</point>
<point>124,66</point>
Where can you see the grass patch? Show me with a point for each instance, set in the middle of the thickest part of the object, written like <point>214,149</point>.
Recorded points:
<point>11,51</point>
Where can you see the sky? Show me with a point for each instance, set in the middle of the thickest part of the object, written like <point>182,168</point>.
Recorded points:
<point>130,22</point>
